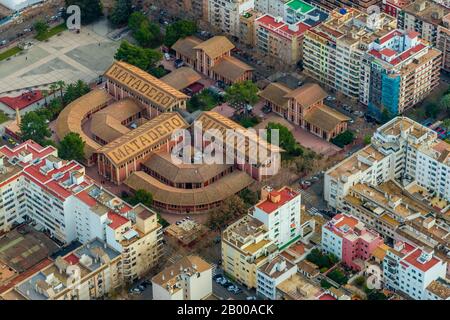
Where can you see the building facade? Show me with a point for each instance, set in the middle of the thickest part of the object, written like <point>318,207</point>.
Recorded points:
<point>348,239</point>
<point>224,15</point>
<point>431,21</point>
<point>332,51</point>
<point>246,245</point>
<point>188,279</point>
<point>398,71</point>
<point>411,270</point>
<point>280,210</point>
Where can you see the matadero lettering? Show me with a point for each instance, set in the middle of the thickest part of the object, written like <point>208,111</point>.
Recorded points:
<point>144,88</point>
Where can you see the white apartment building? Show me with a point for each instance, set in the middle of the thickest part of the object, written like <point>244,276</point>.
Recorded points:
<point>274,8</point>
<point>271,274</point>
<point>188,279</point>
<point>280,210</point>
<point>224,14</point>
<point>333,50</point>
<point>89,272</point>
<point>38,186</point>
<point>403,150</point>
<point>411,270</point>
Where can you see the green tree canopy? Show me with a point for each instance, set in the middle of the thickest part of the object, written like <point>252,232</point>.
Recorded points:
<point>75,91</point>
<point>91,10</point>
<point>33,126</point>
<point>146,33</point>
<point>121,12</point>
<point>344,138</point>
<point>41,27</point>
<point>137,56</point>
<point>142,196</point>
<point>232,208</point>
<point>445,102</point>
<point>178,30</point>
<point>239,93</point>
<point>286,139</point>
<point>71,147</point>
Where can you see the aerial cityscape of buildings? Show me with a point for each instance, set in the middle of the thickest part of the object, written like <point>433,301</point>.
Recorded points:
<point>328,123</point>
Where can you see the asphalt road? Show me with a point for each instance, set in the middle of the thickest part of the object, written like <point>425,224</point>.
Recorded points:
<point>223,294</point>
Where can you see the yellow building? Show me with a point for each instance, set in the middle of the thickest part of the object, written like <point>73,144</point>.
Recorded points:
<point>245,247</point>
<point>140,243</point>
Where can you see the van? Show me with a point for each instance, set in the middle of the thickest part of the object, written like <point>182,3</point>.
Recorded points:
<point>167,56</point>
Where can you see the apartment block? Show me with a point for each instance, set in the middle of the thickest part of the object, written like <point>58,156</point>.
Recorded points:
<point>278,39</point>
<point>332,51</point>
<point>224,15</point>
<point>330,5</point>
<point>431,21</point>
<point>276,8</point>
<point>411,270</point>
<point>280,210</point>
<point>273,273</point>
<point>438,289</point>
<point>246,245</point>
<point>188,279</point>
<point>393,7</point>
<point>401,150</point>
<point>348,239</point>
<point>57,195</point>
<point>398,70</point>
<point>89,272</point>
<point>247,27</point>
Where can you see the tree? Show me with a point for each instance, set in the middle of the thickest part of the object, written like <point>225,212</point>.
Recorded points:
<point>445,102</point>
<point>34,127</point>
<point>75,91</point>
<point>338,276</point>
<point>60,85</point>
<point>367,139</point>
<point>41,28</point>
<point>446,124</point>
<point>179,30</point>
<point>91,10</point>
<point>286,139</point>
<point>121,12</point>
<point>71,147</point>
<point>431,109</point>
<point>241,93</point>
<point>231,208</point>
<point>146,33</point>
<point>137,56</point>
<point>343,139</point>
<point>249,197</point>
<point>142,196</point>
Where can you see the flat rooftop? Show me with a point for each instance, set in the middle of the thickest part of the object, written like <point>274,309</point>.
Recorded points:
<point>23,247</point>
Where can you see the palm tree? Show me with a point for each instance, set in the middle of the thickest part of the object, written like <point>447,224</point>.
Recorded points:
<point>60,86</point>
<point>45,95</point>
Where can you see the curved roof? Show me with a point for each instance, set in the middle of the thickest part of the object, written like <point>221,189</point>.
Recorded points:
<point>72,117</point>
<point>107,123</point>
<point>184,173</point>
<point>218,191</point>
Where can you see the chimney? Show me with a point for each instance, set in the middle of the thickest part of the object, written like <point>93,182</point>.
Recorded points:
<point>265,192</point>
<point>275,197</point>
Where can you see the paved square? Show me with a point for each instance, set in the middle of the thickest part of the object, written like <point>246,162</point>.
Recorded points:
<point>68,57</point>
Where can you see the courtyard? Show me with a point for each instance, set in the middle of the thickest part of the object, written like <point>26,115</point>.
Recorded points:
<point>68,57</point>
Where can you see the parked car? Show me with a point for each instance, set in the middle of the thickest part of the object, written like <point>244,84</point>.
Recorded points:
<point>358,113</point>
<point>250,298</point>
<point>167,56</point>
<point>178,63</point>
<point>217,276</point>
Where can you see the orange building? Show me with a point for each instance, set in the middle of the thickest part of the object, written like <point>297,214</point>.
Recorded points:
<point>124,80</point>
<point>213,59</point>
<point>304,107</point>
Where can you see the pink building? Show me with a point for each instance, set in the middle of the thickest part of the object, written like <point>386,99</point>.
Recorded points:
<point>347,238</point>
